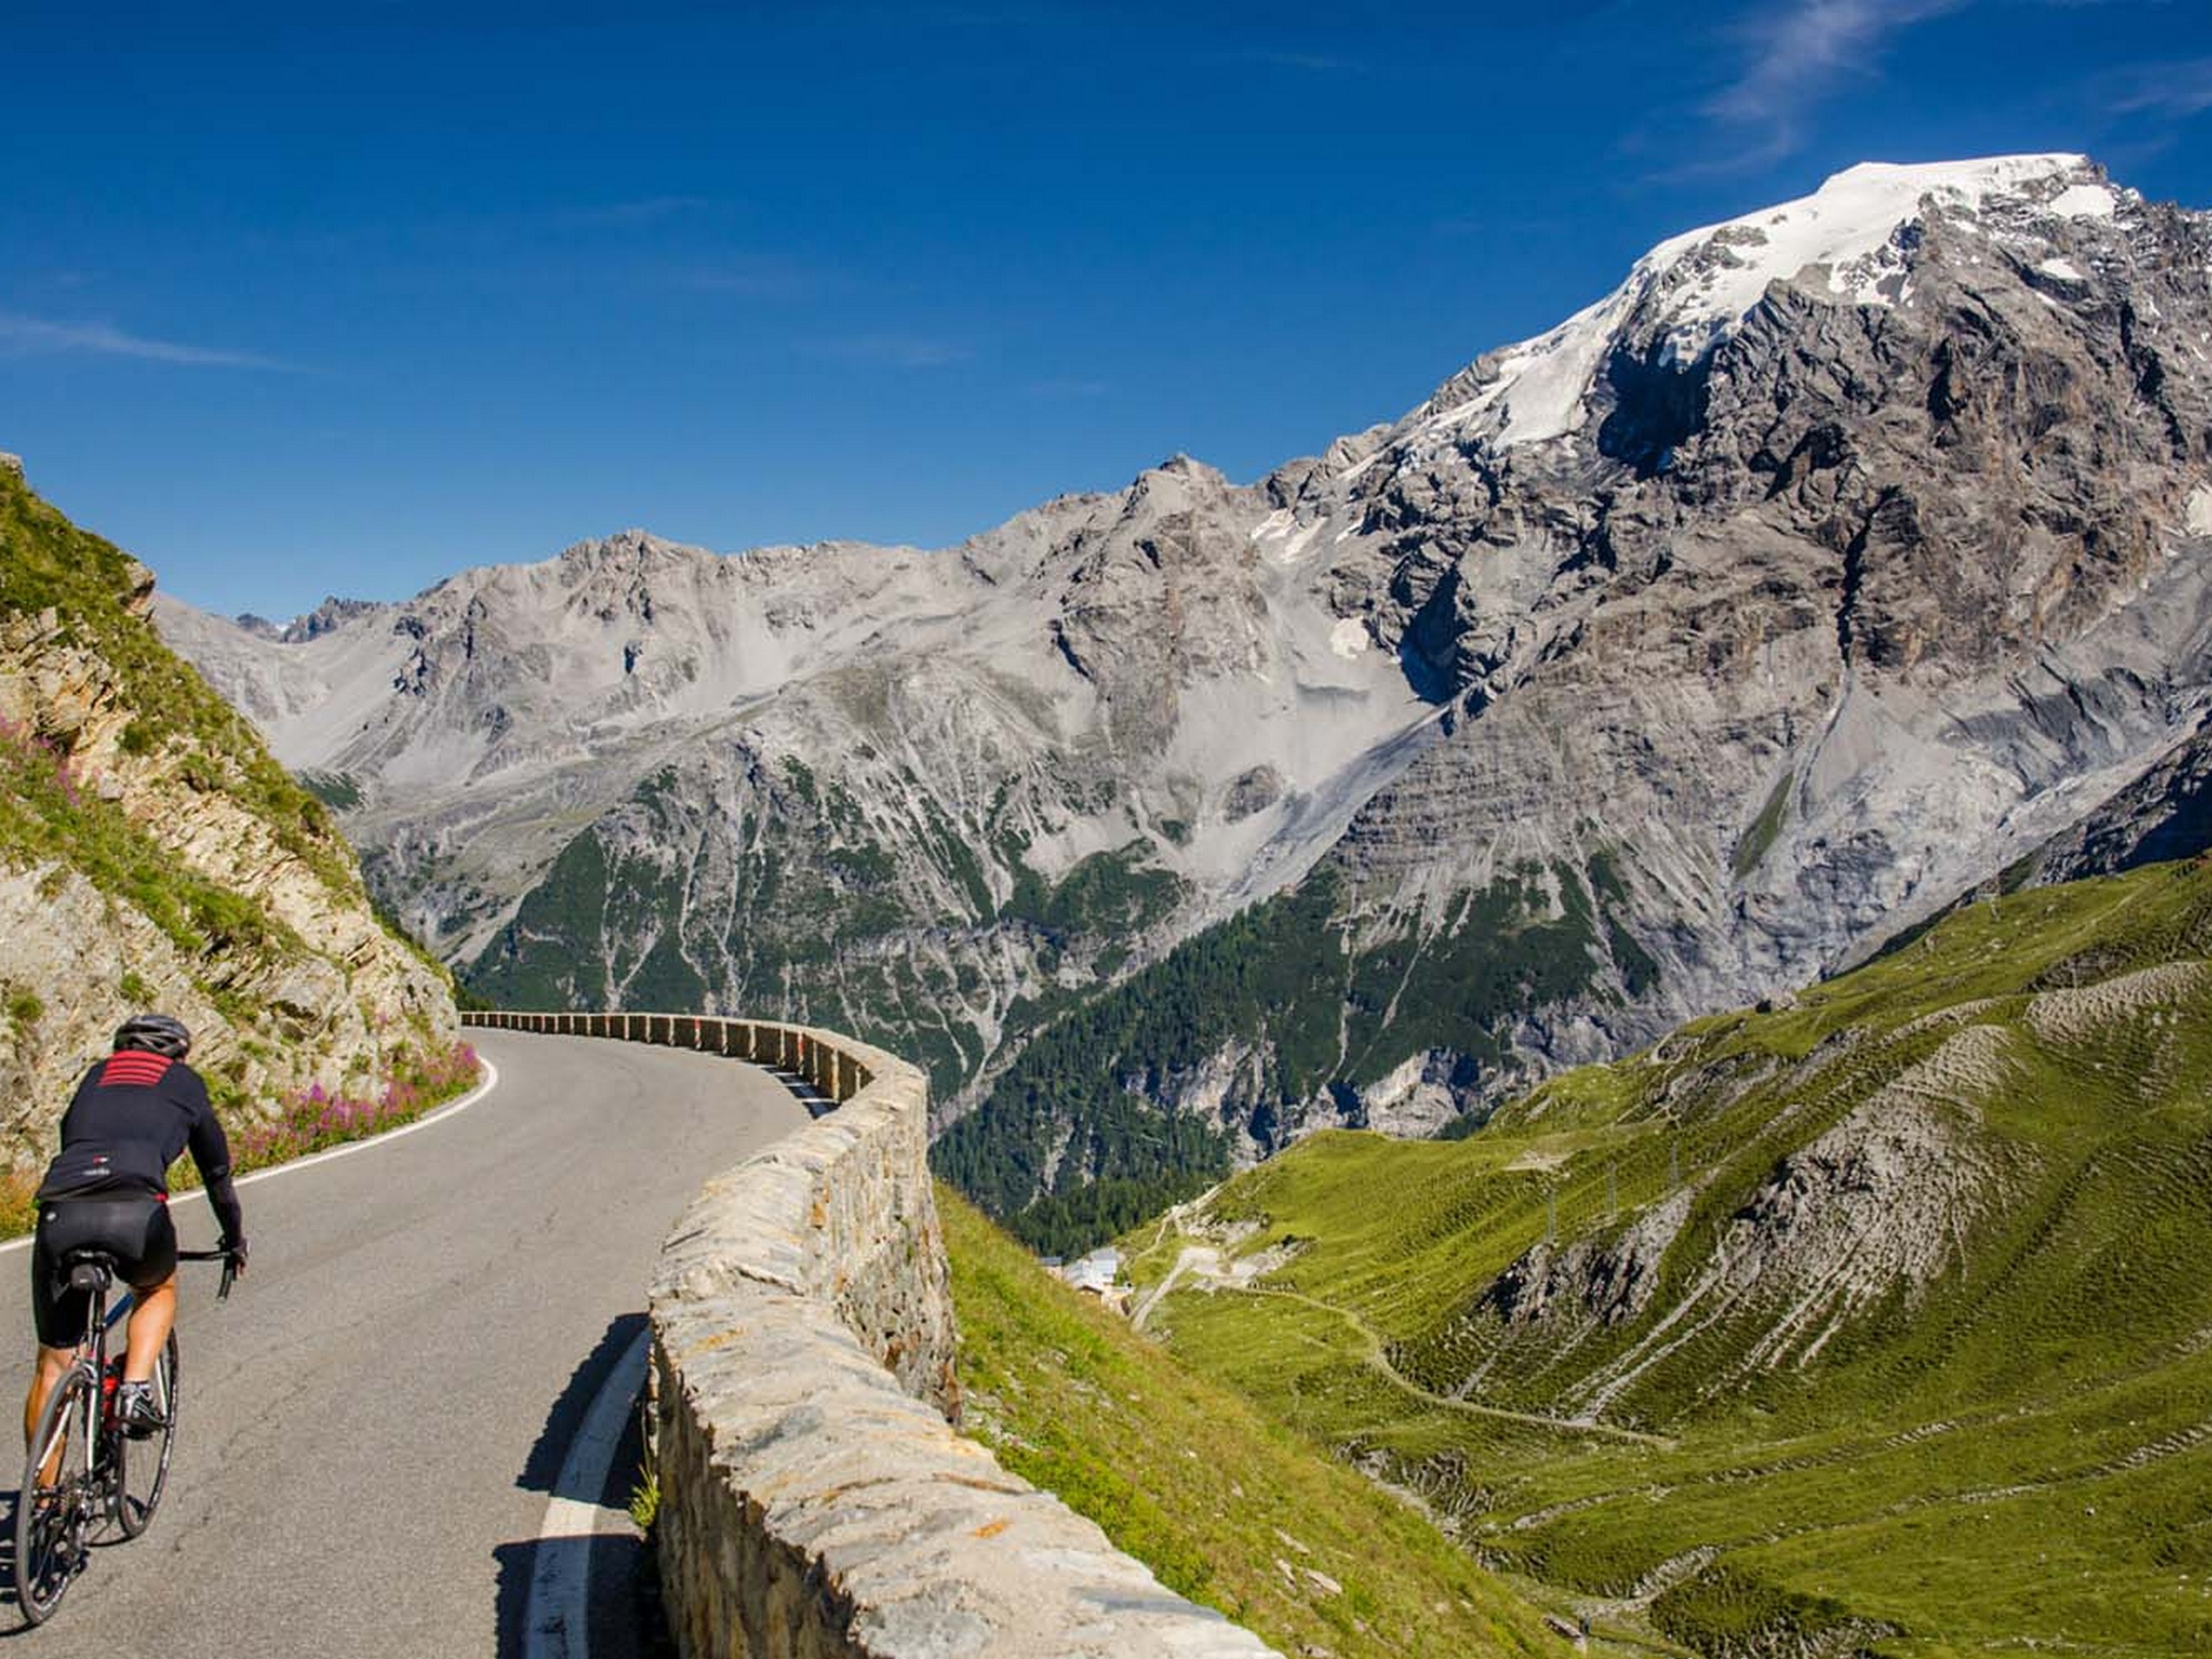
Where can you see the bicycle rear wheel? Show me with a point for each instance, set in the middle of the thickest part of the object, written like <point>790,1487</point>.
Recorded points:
<point>51,1521</point>
<point>143,1463</point>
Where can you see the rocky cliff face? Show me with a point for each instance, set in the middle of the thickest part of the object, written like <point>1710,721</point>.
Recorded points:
<point>922,795</point>
<point>1844,553</point>
<point>1827,584</point>
<point>152,854</point>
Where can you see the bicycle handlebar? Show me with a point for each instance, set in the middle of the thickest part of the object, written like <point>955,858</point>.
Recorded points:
<point>230,1267</point>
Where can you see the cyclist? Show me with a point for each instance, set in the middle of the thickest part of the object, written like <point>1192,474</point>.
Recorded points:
<point>132,1115</point>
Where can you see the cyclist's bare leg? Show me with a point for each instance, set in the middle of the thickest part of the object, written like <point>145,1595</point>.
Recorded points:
<point>52,1362</point>
<point>152,1314</point>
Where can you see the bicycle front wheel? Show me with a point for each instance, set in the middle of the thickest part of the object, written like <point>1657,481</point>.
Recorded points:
<point>52,1520</point>
<point>142,1456</point>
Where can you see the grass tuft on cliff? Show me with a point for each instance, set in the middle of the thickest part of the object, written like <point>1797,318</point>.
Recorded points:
<point>48,564</point>
<point>1880,1324</point>
<point>1225,1507</point>
<point>131,798</point>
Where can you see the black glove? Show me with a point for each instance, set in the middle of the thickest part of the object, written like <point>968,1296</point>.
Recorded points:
<point>235,1248</point>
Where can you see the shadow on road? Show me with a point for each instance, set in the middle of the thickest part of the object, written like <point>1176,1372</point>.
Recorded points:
<point>626,1615</point>
<point>817,1104</point>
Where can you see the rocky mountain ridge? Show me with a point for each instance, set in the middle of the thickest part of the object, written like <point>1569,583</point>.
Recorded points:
<point>152,854</point>
<point>1846,553</point>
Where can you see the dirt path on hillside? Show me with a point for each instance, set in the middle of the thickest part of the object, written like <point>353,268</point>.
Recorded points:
<point>1204,1264</point>
<point>1194,1258</point>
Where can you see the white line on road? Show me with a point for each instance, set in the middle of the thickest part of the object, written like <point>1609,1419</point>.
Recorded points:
<point>556,1616</point>
<point>491,1082</point>
<point>557,1613</point>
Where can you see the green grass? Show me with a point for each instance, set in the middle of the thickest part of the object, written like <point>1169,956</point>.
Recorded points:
<point>2016,1449</point>
<point>1225,1507</point>
<point>1767,828</point>
<point>46,815</point>
<point>48,564</point>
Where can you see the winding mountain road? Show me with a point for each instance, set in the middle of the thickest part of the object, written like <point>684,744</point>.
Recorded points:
<point>373,1426</point>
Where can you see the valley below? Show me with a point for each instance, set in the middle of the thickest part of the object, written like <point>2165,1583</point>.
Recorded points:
<point>1875,1325</point>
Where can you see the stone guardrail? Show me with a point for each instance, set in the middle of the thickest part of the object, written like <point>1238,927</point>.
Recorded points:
<point>815,1498</point>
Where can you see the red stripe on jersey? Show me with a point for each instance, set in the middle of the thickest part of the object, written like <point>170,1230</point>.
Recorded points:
<point>134,1068</point>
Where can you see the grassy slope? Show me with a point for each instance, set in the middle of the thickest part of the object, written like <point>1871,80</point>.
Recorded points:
<point>2021,1452</point>
<point>45,562</point>
<point>1190,1478</point>
<point>179,728</point>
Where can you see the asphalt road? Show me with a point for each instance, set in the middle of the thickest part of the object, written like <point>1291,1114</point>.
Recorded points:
<point>372,1427</point>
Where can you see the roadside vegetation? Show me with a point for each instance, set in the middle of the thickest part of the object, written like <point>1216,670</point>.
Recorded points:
<point>69,601</point>
<point>307,1120</point>
<point>1879,1323</point>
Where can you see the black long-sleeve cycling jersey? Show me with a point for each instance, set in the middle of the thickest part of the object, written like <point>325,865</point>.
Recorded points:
<point>130,1117</point>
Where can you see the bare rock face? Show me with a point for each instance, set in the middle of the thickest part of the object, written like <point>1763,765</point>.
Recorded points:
<point>926,796</point>
<point>141,866</point>
<point>1590,1279</point>
<point>1844,554</point>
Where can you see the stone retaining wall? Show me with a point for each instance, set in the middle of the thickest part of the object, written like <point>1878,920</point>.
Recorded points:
<point>814,1501</point>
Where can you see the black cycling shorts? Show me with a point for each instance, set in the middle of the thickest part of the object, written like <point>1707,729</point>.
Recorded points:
<point>133,1227</point>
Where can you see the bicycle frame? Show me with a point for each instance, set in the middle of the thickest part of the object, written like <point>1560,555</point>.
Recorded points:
<point>92,1488</point>
<point>90,1355</point>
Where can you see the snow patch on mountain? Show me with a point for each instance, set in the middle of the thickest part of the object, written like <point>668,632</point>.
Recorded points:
<point>1701,284</point>
<point>2085,200</point>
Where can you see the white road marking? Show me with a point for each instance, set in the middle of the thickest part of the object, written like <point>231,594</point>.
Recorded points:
<point>557,1613</point>
<point>491,1082</point>
<point>556,1616</point>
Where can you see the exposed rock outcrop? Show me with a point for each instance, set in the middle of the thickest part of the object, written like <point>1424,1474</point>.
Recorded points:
<point>153,855</point>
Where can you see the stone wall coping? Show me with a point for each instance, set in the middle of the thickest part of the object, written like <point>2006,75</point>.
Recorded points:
<point>810,1504</point>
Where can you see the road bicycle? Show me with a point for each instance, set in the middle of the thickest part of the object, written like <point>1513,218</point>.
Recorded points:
<point>84,1473</point>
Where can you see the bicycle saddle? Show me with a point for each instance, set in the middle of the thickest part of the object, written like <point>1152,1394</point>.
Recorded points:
<point>89,1269</point>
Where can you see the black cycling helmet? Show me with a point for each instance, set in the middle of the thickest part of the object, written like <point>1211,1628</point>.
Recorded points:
<point>157,1034</point>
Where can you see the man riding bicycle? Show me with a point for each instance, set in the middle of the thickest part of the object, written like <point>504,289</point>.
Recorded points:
<point>108,1190</point>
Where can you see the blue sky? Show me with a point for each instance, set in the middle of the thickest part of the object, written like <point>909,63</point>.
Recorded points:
<point>290,306</point>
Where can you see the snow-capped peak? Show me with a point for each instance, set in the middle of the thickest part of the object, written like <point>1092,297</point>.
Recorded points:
<point>1701,284</point>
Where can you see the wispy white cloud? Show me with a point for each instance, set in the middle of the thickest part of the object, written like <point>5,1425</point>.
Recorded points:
<point>1797,53</point>
<point>2173,90</point>
<point>21,336</point>
<point>1311,63</point>
<point>1791,57</point>
<point>895,351</point>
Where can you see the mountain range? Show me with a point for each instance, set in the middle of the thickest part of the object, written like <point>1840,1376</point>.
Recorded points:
<point>1847,557</point>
